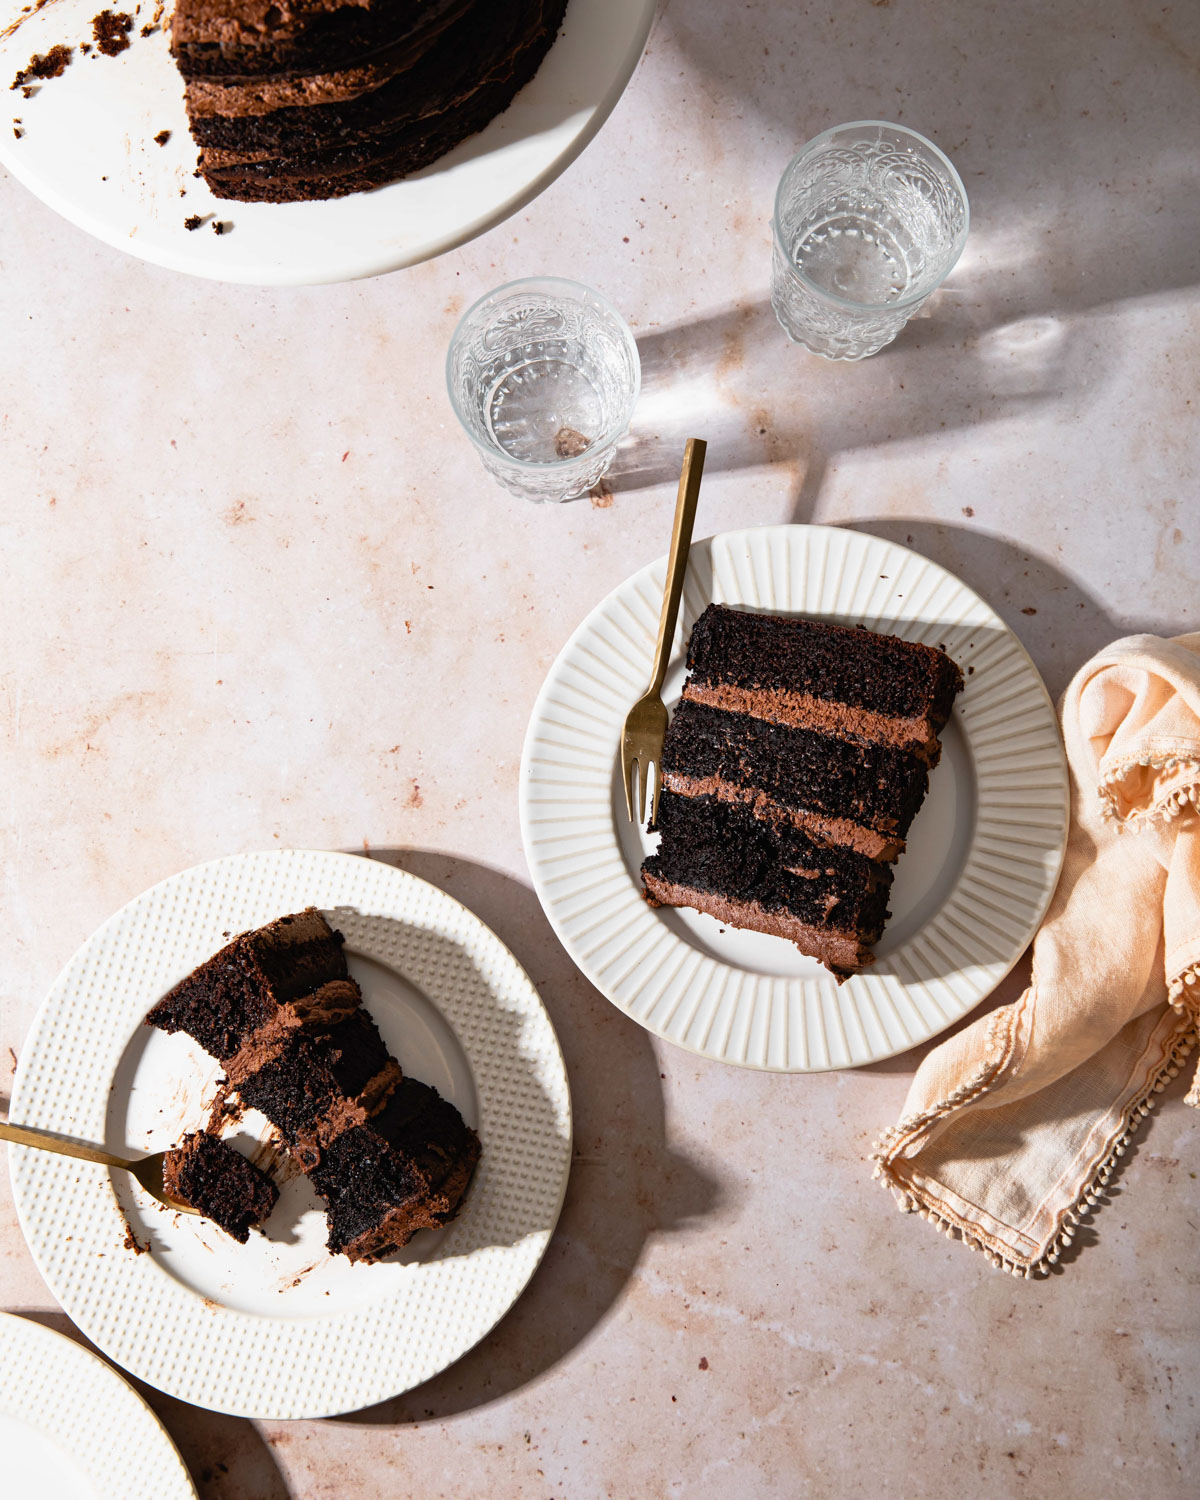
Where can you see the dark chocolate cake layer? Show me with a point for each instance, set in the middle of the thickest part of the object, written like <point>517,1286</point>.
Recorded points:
<point>719,857</point>
<point>352,95</point>
<point>836,679</point>
<point>838,791</point>
<point>219,1182</point>
<point>244,985</point>
<point>407,1169</point>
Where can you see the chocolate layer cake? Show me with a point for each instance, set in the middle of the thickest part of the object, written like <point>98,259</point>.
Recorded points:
<point>219,1182</point>
<point>279,1010</point>
<point>792,771</point>
<point>295,99</point>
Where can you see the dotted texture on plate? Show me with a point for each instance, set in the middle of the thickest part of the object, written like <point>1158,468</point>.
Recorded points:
<point>82,1407</point>
<point>592,894</point>
<point>256,1364</point>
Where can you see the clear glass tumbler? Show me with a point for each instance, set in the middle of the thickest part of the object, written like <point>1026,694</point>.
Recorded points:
<point>544,374</point>
<point>869,219</point>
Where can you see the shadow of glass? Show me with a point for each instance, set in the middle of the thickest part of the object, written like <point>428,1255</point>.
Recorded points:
<point>627,1183</point>
<point>226,1456</point>
<point>707,377</point>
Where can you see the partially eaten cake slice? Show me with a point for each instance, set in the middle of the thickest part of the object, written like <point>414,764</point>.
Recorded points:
<point>792,771</point>
<point>278,1008</point>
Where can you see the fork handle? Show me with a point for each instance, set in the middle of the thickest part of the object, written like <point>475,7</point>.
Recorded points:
<point>21,1135</point>
<point>681,540</point>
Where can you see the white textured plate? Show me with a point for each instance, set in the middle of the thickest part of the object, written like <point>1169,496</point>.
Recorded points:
<point>278,1327</point>
<point>71,1429</point>
<point>88,151</point>
<point>983,856</point>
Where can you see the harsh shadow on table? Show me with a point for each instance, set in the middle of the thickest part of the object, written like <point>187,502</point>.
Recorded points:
<point>627,1184</point>
<point>1058,621</point>
<point>960,363</point>
<point>226,1456</point>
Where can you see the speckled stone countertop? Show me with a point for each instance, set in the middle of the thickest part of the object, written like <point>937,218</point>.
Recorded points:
<point>258,592</point>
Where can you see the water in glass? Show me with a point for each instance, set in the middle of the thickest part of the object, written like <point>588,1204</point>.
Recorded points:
<point>543,374</point>
<point>869,218</point>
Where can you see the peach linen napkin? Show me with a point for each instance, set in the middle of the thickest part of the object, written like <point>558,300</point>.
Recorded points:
<point>1011,1127</point>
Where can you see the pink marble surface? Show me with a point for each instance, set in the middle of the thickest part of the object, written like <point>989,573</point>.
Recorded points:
<point>258,592</point>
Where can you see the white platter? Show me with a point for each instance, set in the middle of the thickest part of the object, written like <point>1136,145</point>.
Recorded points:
<point>983,855</point>
<point>278,1327</point>
<point>88,151</point>
<point>71,1429</point>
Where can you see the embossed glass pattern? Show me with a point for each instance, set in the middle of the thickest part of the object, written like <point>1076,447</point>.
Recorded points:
<point>543,374</point>
<point>869,219</point>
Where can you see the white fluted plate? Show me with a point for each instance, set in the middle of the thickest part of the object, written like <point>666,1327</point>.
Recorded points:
<point>72,1429</point>
<point>279,1327</point>
<point>983,855</point>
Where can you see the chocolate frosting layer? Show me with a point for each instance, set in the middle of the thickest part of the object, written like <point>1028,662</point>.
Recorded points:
<point>803,711</point>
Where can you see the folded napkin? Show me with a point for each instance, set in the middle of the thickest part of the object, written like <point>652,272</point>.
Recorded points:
<point>1011,1127</point>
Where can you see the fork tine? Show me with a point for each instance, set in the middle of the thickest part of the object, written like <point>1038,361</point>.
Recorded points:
<point>628,766</point>
<point>643,778</point>
<point>654,794</point>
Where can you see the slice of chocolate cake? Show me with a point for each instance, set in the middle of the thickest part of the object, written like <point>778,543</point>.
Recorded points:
<point>407,1169</point>
<point>300,99</point>
<point>278,1008</point>
<point>792,771</point>
<point>220,1183</point>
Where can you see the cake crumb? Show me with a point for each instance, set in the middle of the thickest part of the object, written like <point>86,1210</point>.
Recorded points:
<point>570,444</point>
<point>193,221</point>
<point>148,29</point>
<point>221,228</point>
<point>968,510</point>
<point>111,30</point>
<point>1029,610</point>
<point>131,1242</point>
<point>18,132</point>
<point>13,1059</point>
<point>42,65</point>
<point>601,495</point>
<point>162,137</point>
<point>85,47</point>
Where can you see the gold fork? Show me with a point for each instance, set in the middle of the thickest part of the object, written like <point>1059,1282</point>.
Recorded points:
<point>148,1170</point>
<point>646,721</point>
